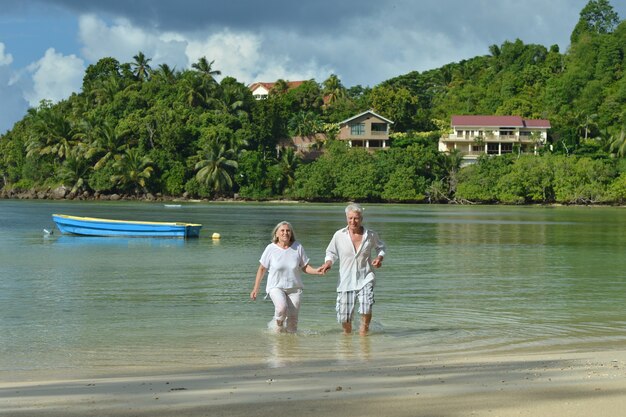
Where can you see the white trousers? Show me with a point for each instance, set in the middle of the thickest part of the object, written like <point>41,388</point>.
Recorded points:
<point>286,306</point>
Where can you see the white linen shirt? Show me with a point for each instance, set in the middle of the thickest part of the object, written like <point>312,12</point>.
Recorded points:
<point>284,266</point>
<point>355,267</point>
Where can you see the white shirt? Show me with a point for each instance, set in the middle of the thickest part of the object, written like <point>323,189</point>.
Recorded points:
<point>284,266</point>
<point>355,266</point>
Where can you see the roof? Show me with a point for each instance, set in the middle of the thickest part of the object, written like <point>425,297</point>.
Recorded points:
<point>498,121</point>
<point>364,113</point>
<point>268,86</point>
<point>537,123</point>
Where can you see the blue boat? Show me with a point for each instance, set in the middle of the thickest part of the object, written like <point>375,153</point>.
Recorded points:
<point>90,226</point>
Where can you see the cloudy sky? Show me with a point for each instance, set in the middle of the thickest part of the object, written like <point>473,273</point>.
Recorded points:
<point>45,45</point>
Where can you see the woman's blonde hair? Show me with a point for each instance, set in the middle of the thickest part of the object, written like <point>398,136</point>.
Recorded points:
<point>275,238</point>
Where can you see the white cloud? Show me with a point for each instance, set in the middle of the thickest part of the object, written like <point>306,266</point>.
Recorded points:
<point>242,55</point>
<point>55,77</point>
<point>5,59</point>
<point>120,40</point>
<point>235,54</point>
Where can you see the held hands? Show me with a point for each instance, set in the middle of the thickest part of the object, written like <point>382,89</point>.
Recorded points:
<point>325,267</point>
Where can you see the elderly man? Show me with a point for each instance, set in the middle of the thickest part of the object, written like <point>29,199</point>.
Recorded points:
<point>353,246</point>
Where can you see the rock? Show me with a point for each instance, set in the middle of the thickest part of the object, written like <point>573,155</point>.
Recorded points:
<point>60,192</point>
<point>115,197</point>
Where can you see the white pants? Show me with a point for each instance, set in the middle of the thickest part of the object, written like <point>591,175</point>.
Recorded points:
<point>286,306</point>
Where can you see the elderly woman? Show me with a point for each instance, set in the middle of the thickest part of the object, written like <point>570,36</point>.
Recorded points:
<point>284,258</point>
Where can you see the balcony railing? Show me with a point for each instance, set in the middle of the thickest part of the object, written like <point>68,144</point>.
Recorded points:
<point>488,139</point>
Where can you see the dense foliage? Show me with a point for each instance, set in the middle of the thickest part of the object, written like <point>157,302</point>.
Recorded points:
<point>134,129</point>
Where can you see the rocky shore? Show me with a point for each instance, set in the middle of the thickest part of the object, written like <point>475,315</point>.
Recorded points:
<point>65,193</point>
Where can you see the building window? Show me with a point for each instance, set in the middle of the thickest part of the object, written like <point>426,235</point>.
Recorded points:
<point>379,128</point>
<point>357,129</point>
<point>478,148</point>
<point>506,148</point>
<point>375,143</point>
<point>492,148</point>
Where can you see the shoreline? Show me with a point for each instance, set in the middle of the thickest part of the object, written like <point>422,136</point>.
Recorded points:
<point>62,194</point>
<point>525,384</point>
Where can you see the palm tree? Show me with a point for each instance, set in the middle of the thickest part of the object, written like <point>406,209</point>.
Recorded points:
<point>194,91</point>
<point>289,161</point>
<point>333,90</point>
<point>205,67</point>
<point>586,122</point>
<point>215,166</point>
<point>167,73</point>
<point>104,91</point>
<point>141,66</point>
<point>234,97</point>
<point>618,142</point>
<point>304,124</point>
<point>107,143</point>
<point>280,87</point>
<point>54,135</point>
<point>133,169</point>
<point>74,172</point>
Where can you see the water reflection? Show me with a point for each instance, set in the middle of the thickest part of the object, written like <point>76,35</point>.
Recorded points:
<point>352,348</point>
<point>79,241</point>
<point>284,350</point>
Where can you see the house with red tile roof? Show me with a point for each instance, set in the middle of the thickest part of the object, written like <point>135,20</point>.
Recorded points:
<point>261,90</point>
<point>494,135</point>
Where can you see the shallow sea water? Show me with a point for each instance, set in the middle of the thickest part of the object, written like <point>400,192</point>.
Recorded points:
<point>457,280</point>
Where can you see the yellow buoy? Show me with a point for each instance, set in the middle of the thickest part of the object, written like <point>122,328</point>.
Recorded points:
<point>216,236</point>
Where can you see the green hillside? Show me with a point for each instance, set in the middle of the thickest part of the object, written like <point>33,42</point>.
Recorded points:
<point>140,131</point>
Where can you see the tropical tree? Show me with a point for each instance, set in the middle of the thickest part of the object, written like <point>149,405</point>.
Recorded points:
<point>451,165</point>
<point>618,142</point>
<point>597,17</point>
<point>288,164</point>
<point>107,143</point>
<point>132,170</point>
<point>280,87</point>
<point>193,89</point>
<point>205,67</point>
<point>53,134</point>
<point>304,124</point>
<point>215,166</point>
<point>167,73</point>
<point>333,90</point>
<point>141,66</point>
<point>75,172</point>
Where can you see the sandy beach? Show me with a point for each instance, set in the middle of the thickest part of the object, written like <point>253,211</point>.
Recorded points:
<point>545,384</point>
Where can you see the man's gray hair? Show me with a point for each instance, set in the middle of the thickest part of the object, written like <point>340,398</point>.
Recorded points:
<point>354,208</point>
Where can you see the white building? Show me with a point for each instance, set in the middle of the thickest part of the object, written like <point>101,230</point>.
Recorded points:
<point>494,135</point>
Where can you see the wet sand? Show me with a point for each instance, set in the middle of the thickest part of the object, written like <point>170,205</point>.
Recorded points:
<point>543,384</point>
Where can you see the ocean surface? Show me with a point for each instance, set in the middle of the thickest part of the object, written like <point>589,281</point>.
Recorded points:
<point>457,280</point>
